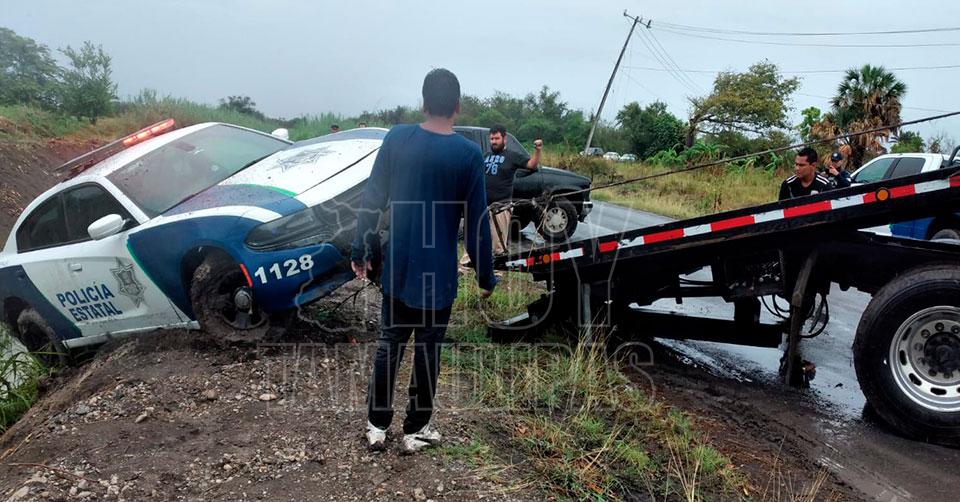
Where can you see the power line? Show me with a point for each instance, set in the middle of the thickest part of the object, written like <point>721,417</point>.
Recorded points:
<point>671,60</point>
<point>803,44</point>
<point>805,72</point>
<point>666,66</point>
<point>828,98</point>
<point>642,86</point>
<point>899,125</point>
<point>684,27</point>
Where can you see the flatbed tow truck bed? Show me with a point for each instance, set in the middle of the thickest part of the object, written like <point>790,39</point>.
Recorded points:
<point>907,348</point>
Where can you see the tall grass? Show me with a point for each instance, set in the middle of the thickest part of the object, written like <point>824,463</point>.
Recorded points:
<point>28,123</point>
<point>20,376</point>
<point>25,122</point>
<point>584,428</point>
<point>681,195</point>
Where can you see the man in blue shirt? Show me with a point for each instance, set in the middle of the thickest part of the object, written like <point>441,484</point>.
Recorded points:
<point>429,177</point>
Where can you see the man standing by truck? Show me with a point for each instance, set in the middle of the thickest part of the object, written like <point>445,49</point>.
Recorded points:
<point>429,177</point>
<point>500,166</point>
<point>806,180</point>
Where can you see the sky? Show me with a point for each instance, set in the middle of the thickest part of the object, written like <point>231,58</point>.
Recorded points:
<point>295,58</point>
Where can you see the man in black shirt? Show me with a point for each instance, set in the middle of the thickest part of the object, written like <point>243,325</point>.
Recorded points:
<point>500,166</point>
<point>836,172</point>
<point>806,181</point>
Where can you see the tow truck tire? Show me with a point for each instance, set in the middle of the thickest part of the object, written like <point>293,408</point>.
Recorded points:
<point>558,221</point>
<point>907,354</point>
<point>37,336</point>
<point>946,234</point>
<point>217,287</point>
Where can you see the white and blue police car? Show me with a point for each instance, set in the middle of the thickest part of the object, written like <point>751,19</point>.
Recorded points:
<point>211,226</point>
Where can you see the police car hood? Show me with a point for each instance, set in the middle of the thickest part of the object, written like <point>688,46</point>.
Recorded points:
<point>306,174</point>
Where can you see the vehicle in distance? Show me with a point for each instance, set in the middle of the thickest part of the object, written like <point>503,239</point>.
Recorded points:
<point>568,203</point>
<point>212,226</point>
<point>593,151</point>
<point>628,157</point>
<point>614,156</point>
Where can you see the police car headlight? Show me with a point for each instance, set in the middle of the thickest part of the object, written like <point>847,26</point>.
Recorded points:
<point>282,232</point>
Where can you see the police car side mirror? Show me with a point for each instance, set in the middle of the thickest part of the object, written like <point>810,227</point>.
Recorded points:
<point>110,224</point>
<point>281,133</point>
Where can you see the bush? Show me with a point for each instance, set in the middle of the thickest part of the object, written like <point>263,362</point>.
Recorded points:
<point>87,89</point>
<point>597,169</point>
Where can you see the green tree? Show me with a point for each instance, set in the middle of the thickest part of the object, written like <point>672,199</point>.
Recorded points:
<point>811,116</point>
<point>88,90</point>
<point>241,104</point>
<point>650,129</point>
<point>867,98</point>
<point>908,142</point>
<point>754,101</point>
<point>28,73</point>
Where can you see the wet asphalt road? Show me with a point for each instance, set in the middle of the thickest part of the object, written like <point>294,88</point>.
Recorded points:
<point>861,452</point>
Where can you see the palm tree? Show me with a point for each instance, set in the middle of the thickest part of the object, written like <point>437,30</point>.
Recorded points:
<point>867,98</point>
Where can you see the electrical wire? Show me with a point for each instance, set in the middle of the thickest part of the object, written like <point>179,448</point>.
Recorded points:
<point>669,58</point>
<point>666,66</point>
<point>803,34</point>
<point>804,44</point>
<point>828,98</point>
<point>807,72</point>
<point>763,152</point>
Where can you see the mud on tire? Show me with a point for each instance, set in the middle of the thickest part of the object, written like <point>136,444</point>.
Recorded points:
<point>907,352</point>
<point>213,290</point>
<point>37,336</point>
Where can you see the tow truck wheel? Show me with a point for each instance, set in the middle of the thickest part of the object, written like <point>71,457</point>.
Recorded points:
<point>946,234</point>
<point>558,221</point>
<point>224,304</point>
<point>907,354</point>
<point>37,336</point>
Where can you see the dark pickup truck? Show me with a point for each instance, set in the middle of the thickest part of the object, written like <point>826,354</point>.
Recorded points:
<point>559,219</point>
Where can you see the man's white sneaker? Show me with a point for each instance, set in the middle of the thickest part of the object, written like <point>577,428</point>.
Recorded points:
<point>376,438</point>
<point>428,436</point>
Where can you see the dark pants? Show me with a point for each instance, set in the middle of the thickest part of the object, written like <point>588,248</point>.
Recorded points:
<point>397,322</point>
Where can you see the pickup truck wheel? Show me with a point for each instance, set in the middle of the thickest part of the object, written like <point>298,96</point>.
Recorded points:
<point>224,304</point>
<point>907,354</point>
<point>558,221</point>
<point>946,234</point>
<point>37,336</point>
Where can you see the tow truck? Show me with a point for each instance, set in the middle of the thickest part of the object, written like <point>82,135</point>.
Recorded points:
<point>907,345</point>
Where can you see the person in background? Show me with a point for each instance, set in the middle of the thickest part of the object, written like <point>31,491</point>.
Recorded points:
<point>836,171</point>
<point>430,177</point>
<point>334,128</point>
<point>500,166</point>
<point>362,125</point>
<point>805,180</point>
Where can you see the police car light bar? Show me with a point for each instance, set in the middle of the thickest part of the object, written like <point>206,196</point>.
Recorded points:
<point>87,160</point>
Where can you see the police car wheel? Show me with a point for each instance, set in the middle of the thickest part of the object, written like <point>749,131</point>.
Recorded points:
<point>37,336</point>
<point>223,303</point>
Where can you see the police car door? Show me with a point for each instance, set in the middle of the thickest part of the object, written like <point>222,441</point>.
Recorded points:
<point>107,290</point>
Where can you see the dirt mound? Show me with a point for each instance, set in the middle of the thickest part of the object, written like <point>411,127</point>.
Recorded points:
<point>168,416</point>
<point>26,170</point>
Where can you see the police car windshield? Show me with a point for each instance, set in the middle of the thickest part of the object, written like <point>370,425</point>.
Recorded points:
<point>163,178</point>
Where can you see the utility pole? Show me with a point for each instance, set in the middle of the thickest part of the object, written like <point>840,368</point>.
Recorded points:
<point>596,117</point>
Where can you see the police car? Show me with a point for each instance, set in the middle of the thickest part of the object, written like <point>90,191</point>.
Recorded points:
<point>211,226</point>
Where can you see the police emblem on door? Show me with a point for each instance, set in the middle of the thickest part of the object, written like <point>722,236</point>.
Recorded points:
<point>130,286</point>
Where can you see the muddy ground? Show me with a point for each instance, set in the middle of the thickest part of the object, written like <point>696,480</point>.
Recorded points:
<point>173,415</point>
